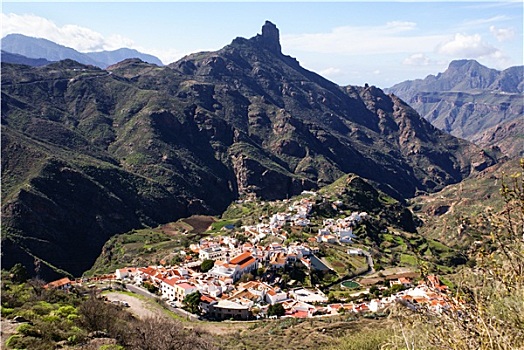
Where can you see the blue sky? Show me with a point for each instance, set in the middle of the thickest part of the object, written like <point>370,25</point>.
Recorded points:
<point>379,43</point>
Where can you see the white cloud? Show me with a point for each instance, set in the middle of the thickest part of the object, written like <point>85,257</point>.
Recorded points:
<point>330,72</point>
<point>400,26</point>
<point>417,59</point>
<point>482,21</point>
<point>79,38</point>
<point>392,37</point>
<point>467,46</point>
<point>502,34</point>
<point>166,56</point>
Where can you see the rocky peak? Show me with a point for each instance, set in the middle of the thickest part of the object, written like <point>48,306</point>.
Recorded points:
<point>270,37</point>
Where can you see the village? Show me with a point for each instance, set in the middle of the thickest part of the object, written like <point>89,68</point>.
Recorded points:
<point>235,280</point>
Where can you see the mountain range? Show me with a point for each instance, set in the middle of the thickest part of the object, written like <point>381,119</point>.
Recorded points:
<point>37,48</point>
<point>472,101</point>
<point>8,57</point>
<point>88,153</point>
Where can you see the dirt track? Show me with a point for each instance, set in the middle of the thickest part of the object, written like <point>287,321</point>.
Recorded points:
<point>138,307</point>
<point>144,308</point>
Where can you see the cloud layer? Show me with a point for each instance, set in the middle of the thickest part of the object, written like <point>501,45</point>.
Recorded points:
<point>79,38</point>
<point>392,37</point>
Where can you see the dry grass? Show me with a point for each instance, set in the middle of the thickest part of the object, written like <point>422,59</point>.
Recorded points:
<point>299,333</point>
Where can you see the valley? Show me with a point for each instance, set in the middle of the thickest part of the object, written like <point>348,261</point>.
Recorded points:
<point>141,145</point>
<point>235,200</point>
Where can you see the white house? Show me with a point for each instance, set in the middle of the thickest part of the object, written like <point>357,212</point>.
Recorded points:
<point>273,297</point>
<point>167,287</point>
<point>346,235</point>
<point>245,263</point>
<point>211,253</point>
<point>375,305</point>
<point>224,270</point>
<point>126,272</point>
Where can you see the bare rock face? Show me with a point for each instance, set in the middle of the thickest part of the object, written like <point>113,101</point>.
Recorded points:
<point>270,37</point>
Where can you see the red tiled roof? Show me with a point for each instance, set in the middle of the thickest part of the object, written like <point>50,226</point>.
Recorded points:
<point>207,299</point>
<point>59,283</point>
<point>185,285</point>
<point>300,314</point>
<point>239,259</point>
<point>243,260</point>
<point>171,281</point>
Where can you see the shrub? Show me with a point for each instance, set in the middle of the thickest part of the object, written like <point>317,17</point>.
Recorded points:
<point>276,310</point>
<point>6,311</point>
<point>65,311</point>
<point>27,329</point>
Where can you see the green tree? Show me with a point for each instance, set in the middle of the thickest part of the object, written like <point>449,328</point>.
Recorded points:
<point>247,277</point>
<point>276,310</point>
<point>374,290</point>
<point>207,265</point>
<point>151,288</point>
<point>18,273</point>
<point>192,301</point>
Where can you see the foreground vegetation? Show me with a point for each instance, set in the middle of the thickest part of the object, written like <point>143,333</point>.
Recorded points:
<point>37,318</point>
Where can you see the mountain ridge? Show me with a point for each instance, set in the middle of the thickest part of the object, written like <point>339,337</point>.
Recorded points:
<point>469,99</point>
<point>8,57</point>
<point>39,48</point>
<point>191,137</point>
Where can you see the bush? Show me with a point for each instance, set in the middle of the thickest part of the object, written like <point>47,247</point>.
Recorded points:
<point>27,329</point>
<point>6,311</point>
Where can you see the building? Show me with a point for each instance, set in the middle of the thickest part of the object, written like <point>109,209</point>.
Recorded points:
<point>245,263</point>
<point>61,284</point>
<point>125,272</point>
<point>273,297</point>
<point>227,309</point>
<point>224,270</point>
<point>182,290</point>
<point>175,289</point>
<point>167,287</point>
<point>211,253</point>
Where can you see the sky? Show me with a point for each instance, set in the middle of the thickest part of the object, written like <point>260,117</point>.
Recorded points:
<point>348,42</point>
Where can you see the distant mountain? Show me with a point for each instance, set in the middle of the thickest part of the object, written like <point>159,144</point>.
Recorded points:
<point>111,57</point>
<point>43,48</point>
<point>8,57</point>
<point>88,153</point>
<point>465,76</point>
<point>467,99</point>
